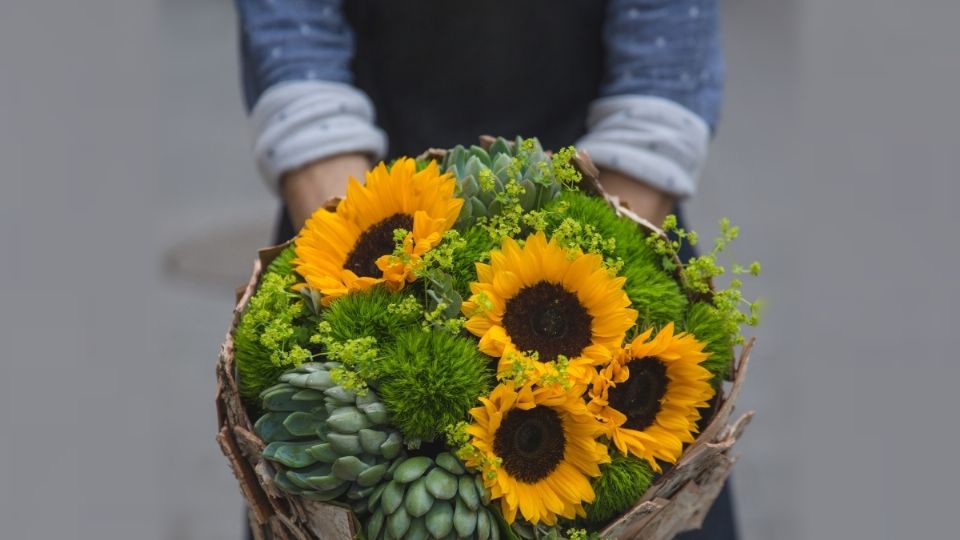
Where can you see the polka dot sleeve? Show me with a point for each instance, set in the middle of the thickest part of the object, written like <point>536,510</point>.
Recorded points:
<point>292,40</point>
<point>295,123</point>
<point>661,93</point>
<point>649,138</point>
<point>665,49</point>
<point>295,58</point>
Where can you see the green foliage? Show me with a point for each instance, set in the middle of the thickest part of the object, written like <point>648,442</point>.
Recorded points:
<point>271,336</point>
<point>283,263</point>
<point>326,442</point>
<point>563,171</point>
<point>718,332</point>
<point>698,273</point>
<point>476,248</point>
<point>582,534</point>
<point>441,297</point>
<point>445,305</point>
<point>357,358</point>
<point>654,293</point>
<point>370,313</point>
<point>440,292</point>
<point>620,485</point>
<point>508,221</point>
<point>443,256</point>
<point>523,530</point>
<point>575,234</point>
<point>501,184</point>
<point>423,164</point>
<point>355,327</point>
<point>430,380</point>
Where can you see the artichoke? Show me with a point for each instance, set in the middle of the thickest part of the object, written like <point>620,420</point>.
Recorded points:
<point>326,441</point>
<point>422,498</point>
<point>474,166</point>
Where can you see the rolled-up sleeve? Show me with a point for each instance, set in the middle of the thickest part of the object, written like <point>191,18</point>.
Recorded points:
<point>661,94</point>
<point>295,60</point>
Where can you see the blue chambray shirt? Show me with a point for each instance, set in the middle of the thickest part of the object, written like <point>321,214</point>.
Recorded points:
<point>663,48</point>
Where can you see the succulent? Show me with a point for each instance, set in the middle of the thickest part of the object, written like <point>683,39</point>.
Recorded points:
<point>270,338</point>
<point>422,498</point>
<point>326,441</point>
<point>440,289</point>
<point>474,167</point>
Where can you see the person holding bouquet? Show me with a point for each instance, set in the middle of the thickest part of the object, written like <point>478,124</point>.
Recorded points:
<point>333,87</point>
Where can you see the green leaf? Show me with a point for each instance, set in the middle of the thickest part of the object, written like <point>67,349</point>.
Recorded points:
<point>499,146</point>
<point>418,500</point>
<point>411,469</point>
<point>441,484</point>
<point>291,454</point>
<point>270,427</point>
<point>304,424</point>
<point>505,530</point>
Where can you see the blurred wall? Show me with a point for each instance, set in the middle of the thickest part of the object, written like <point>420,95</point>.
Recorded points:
<point>838,154</point>
<point>122,137</point>
<point>129,209</point>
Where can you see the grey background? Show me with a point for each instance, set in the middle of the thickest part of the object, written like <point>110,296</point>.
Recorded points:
<point>129,209</point>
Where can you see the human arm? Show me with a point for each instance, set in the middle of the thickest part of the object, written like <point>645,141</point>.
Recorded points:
<point>309,187</point>
<point>312,129</point>
<point>645,200</point>
<point>659,101</point>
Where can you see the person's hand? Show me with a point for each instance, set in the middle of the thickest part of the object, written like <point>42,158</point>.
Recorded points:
<point>646,201</point>
<point>309,187</point>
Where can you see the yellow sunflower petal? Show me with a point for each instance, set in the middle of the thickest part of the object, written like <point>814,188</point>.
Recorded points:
<point>538,490</point>
<point>557,275</point>
<point>686,389</point>
<point>422,200</point>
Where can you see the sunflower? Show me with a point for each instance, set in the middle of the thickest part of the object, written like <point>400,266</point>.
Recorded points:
<point>537,449</point>
<point>548,301</point>
<point>351,249</point>
<point>650,395</point>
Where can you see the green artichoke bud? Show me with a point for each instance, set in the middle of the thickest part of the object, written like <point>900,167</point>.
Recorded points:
<point>427,499</point>
<point>482,174</point>
<point>326,441</point>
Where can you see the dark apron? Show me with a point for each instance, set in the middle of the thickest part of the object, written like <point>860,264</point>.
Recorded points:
<point>443,72</point>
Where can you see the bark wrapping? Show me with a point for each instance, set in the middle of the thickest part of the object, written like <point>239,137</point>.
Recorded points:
<point>678,501</point>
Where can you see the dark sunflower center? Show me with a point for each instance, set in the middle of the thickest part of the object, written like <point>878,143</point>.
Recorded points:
<point>374,243</point>
<point>530,443</point>
<point>639,396</point>
<point>548,319</point>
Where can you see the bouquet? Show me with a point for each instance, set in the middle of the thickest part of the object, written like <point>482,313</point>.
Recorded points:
<point>481,343</point>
